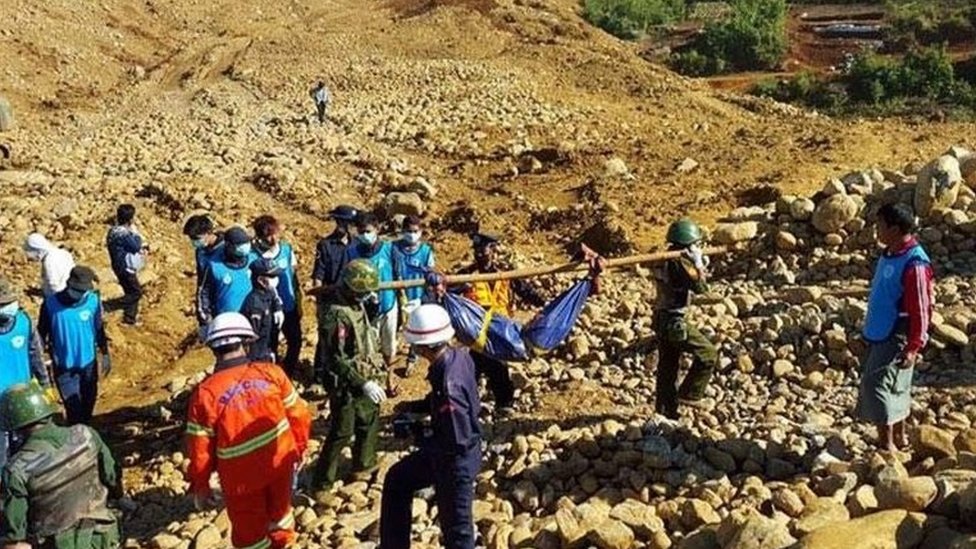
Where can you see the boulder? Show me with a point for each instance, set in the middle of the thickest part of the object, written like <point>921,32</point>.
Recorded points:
<point>966,441</point>
<point>408,203</point>
<point>911,494</point>
<point>570,531</point>
<point>862,501</point>
<point>612,534</point>
<point>951,335</point>
<point>835,212</point>
<point>639,517</point>
<point>788,502</point>
<point>938,185</point>
<point>893,529</point>
<point>785,241</point>
<point>761,532</point>
<point>967,504</point>
<point>732,233</point>
<point>696,513</point>
<point>931,441</point>
<point>820,512</point>
<point>615,167</point>
<point>207,538</point>
<point>802,209</point>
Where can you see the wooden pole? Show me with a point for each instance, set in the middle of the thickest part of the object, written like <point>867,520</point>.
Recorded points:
<point>529,272</point>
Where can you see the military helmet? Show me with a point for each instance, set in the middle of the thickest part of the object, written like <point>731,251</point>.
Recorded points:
<point>361,276</point>
<point>25,404</point>
<point>684,232</point>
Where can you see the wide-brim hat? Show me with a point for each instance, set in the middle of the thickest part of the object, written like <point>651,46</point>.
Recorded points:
<point>82,279</point>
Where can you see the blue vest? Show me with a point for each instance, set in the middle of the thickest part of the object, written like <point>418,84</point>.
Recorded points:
<point>383,261</point>
<point>412,266</point>
<point>73,331</point>
<point>206,256</point>
<point>15,353</point>
<point>230,285</point>
<point>886,293</point>
<point>286,280</point>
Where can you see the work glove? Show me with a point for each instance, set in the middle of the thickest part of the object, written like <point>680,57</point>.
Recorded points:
<point>279,318</point>
<point>106,365</point>
<point>52,395</point>
<point>204,500</point>
<point>374,392</point>
<point>698,259</point>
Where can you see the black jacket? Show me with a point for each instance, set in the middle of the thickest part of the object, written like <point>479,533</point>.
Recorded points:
<point>259,308</point>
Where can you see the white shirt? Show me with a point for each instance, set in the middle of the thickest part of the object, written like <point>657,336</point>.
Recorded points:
<point>321,95</point>
<point>55,270</point>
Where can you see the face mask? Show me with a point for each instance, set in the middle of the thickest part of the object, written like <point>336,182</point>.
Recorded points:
<point>9,309</point>
<point>411,237</point>
<point>368,238</point>
<point>273,282</point>
<point>263,245</point>
<point>76,295</point>
<point>198,243</point>
<point>241,250</point>
<point>34,255</point>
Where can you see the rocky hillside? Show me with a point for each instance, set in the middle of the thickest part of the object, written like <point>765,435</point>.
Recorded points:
<point>514,115</point>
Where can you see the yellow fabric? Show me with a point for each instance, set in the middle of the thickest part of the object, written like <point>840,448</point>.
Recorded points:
<point>493,296</point>
<point>482,341</point>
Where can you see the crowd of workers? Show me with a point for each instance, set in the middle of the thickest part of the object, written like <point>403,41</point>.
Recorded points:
<point>247,422</point>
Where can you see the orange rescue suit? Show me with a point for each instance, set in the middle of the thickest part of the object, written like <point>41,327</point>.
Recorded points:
<point>248,423</point>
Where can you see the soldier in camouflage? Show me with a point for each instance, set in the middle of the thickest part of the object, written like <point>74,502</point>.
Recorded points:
<point>678,280</point>
<point>55,488</point>
<point>351,367</point>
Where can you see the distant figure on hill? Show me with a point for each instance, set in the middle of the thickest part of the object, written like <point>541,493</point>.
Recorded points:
<point>320,94</point>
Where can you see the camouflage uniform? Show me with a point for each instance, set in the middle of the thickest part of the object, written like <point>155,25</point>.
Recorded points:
<point>348,358</point>
<point>55,490</point>
<point>678,280</point>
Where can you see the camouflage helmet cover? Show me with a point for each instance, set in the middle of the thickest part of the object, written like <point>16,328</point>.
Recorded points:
<point>25,404</point>
<point>361,276</point>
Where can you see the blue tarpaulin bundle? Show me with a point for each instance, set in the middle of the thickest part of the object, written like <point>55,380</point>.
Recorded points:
<point>505,339</point>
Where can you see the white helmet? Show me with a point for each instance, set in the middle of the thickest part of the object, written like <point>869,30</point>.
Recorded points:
<point>228,329</point>
<point>428,325</point>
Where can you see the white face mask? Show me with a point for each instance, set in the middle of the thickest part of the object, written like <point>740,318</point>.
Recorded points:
<point>9,309</point>
<point>412,237</point>
<point>368,238</point>
<point>273,282</point>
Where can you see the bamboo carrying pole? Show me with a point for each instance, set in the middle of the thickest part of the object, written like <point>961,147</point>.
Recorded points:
<point>529,272</point>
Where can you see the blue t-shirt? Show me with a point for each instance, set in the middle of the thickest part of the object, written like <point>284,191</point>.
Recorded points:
<point>886,293</point>
<point>382,259</point>
<point>412,265</point>
<point>206,256</point>
<point>286,280</point>
<point>15,353</point>
<point>73,331</point>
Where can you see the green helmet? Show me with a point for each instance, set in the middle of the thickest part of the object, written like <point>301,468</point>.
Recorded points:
<point>25,404</point>
<point>361,276</point>
<point>684,232</point>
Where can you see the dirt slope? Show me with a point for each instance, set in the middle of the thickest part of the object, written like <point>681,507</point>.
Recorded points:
<point>177,105</point>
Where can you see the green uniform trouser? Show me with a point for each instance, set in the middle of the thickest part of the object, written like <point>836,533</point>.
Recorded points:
<point>355,421</point>
<point>102,536</point>
<point>675,337</point>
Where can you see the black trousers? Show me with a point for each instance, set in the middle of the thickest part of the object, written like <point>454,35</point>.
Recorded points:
<point>320,108</point>
<point>133,293</point>
<point>498,376</point>
<point>291,331</point>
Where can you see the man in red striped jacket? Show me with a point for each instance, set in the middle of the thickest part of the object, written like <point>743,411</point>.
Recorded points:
<point>247,422</point>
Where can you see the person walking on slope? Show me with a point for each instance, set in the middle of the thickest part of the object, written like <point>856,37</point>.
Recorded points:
<point>896,326</point>
<point>352,369</point>
<point>227,280</point>
<point>321,96</point>
<point>207,243</point>
<point>56,486</point>
<point>72,327</point>
<point>384,317</point>
<point>449,457</point>
<point>246,422</point>
<point>412,259</point>
<point>127,253</point>
<point>262,308</point>
<point>496,298</point>
<point>269,244</point>
<point>56,263</point>
<point>677,281</point>
<point>21,352</point>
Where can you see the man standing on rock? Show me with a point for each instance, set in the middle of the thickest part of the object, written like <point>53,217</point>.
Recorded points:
<point>896,327</point>
<point>227,280</point>
<point>56,263</point>
<point>71,325</point>
<point>269,244</point>
<point>384,317</point>
<point>127,253</point>
<point>246,422</point>
<point>450,454</point>
<point>207,243</point>
<point>351,369</point>
<point>412,259</point>
<point>320,94</point>
<point>677,281</point>
<point>56,487</point>
<point>496,298</point>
